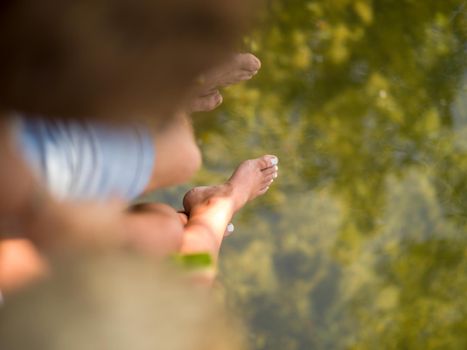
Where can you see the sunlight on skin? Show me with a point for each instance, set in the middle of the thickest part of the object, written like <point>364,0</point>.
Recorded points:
<point>211,209</point>
<point>202,236</point>
<point>20,264</point>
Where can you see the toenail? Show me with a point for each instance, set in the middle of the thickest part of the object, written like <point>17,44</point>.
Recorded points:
<point>274,161</point>
<point>229,230</point>
<point>275,176</point>
<point>276,168</point>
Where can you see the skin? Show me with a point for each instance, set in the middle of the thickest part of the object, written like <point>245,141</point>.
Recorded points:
<point>27,211</point>
<point>155,229</point>
<point>241,67</point>
<point>159,230</point>
<point>21,264</point>
<point>173,168</point>
<point>210,209</point>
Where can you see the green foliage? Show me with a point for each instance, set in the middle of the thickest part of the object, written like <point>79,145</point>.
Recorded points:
<point>361,243</point>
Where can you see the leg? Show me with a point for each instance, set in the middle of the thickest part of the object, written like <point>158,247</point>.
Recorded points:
<point>177,155</point>
<point>211,208</point>
<point>156,229</point>
<point>160,230</point>
<point>175,167</point>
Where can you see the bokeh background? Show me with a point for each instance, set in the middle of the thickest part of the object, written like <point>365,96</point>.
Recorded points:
<point>362,241</point>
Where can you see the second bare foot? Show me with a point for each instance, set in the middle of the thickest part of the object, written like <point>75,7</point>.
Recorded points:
<point>242,67</point>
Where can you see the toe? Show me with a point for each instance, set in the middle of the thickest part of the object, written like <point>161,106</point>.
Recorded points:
<point>263,191</point>
<point>219,100</point>
<point>268,161</point>
<point>270,171</point>
<point>249,62</point>
<point>207,103</point>
<point>267,182</point>
<point>243,75</point>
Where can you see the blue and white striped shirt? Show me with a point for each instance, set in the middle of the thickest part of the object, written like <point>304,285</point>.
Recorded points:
<point>83,160</point>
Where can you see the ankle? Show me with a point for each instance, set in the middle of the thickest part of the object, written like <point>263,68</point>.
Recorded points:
<point>237,196</point>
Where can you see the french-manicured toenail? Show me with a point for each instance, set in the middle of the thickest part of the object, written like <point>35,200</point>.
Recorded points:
<point>276,168</point>
<point>274,161</point>
<point>275,175</point>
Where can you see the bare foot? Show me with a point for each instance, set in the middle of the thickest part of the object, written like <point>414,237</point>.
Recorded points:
<point>251,179</point>
<point>206,103</point>
<point>242,67</point>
